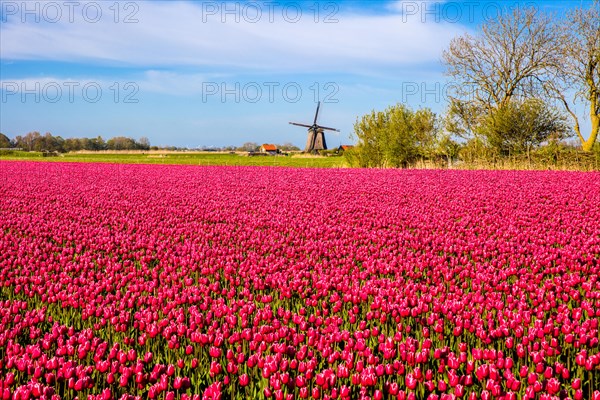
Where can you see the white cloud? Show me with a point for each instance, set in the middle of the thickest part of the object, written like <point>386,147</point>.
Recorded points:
<point>151,81</point>
<point>176,34</point>
<point>51,89</point>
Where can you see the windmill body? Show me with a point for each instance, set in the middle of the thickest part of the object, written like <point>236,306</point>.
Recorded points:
<point>315,140</point>
<point>316,134</point>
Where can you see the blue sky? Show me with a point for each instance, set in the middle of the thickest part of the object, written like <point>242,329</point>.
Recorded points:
<point>216,73</point>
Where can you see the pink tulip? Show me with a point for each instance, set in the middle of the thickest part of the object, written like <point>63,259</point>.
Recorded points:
<point>244,380</point>
<point>411,382</point>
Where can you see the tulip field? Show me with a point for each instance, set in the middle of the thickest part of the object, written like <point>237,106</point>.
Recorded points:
<point>189,282</point>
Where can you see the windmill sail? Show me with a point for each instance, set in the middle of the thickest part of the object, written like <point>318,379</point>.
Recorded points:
<point>316,135</point>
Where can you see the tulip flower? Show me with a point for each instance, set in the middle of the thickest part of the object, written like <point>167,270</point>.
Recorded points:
<point>411,381</point>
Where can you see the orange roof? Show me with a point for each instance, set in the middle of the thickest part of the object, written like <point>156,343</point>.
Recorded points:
<point>346,146</point>
<point>269,147</point>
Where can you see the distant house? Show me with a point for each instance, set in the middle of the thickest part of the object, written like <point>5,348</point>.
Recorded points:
<point>268,149</point>
<point>344,147</point>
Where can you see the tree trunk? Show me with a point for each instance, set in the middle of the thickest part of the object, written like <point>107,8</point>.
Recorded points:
<point>589,143</point>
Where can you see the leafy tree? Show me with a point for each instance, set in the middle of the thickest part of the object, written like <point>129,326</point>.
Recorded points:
<point>49,143</point>
<point>476,149</point>
<point>447,148</point>
<point>33,141</point>
<point>396,137</point>
<point>426,129</point>
<point>4,141</point>
<point>27,142</point>
<point>73,144</point>
<point>463,118</point>
<point>93,144</point>
<point>517,127</point>
<point>121,143</point>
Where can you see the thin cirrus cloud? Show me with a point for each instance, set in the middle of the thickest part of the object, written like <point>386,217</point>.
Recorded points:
<point>155,81</point>
<point>171,35</point>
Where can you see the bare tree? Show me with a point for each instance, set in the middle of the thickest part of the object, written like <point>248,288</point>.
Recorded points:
<point>144,143</point>
<point>578,73</point>
<point>249,146</point>
<point>505,61</point>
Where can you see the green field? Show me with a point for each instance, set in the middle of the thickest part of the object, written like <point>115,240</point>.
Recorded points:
<point>183,158</point>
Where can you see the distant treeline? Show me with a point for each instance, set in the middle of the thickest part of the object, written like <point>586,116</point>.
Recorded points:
<point>34,141</point>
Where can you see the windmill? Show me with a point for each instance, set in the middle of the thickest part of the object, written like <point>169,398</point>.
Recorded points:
<point>316,134</point>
